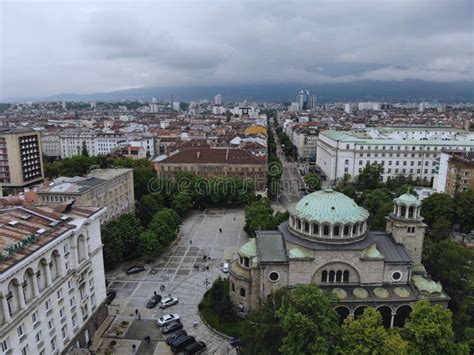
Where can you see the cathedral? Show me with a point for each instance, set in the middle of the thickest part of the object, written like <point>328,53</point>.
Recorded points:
<point>326,242</point>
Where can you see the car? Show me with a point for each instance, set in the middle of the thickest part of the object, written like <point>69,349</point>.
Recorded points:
<point>135,269</point>
<point>168,302</point>
<point>235,342</point>
<point>179,333</point>
<point>225,267</point>
<point>110,296</point>
<point>153,301</point>
<point>172,327</point>
<point>195,348</point>
<point>167,318</point>
<point>180,343</point>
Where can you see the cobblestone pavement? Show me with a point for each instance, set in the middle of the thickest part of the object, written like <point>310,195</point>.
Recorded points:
<point>199,236</point>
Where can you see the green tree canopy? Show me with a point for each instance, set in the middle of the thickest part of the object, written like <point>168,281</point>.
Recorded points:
<point>464,208</point>
<point>142,178</point>
<point>436,206</point>
<point>259,216</point>
<point>149,246</point>
<point>313,182</point>
<point>370,177</point>
<point>379,203</point>
<point>148,206</point>
<point>429,330</point>
<point>182,204</point>
<point>309,320</point>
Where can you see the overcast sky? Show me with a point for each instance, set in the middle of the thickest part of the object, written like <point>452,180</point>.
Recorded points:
<point>83,47</point>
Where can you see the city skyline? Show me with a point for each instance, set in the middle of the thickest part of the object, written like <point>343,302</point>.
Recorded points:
<point>51,48</point>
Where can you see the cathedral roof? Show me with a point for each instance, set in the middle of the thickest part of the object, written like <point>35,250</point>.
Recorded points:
<point>407,199</point>
<point>328,206</point>
<point>249,249</point>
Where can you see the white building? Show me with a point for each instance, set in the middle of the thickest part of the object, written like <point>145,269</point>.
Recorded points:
<point>52,284</point>
<point>72,141</point>
<point>348,108</point>
<point>218,100</point>
<point>339,153</point>
<point>50,145</point>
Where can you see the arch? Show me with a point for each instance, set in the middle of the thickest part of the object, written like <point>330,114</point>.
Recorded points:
<point>242,292</point>
<point>354,229</point>
<point>401,315</point>
<point>349,273</point>
<point>315,228</point>
<point>298,224</point>
<point>324,276</point>
<point>386,313</point>
<point>336,231</point>
<point>13,296</point>
<point>338,276</point>
<point>306,227</point>
<point>54,265</point>
<point>28,289</point>
<point>326,230</point>
<point>345,276</point>
<point>81,248</point>
<point>41,274</point>
<point>346,230</point>
<point>332,276</point>
<point>343,313</point>
<point>403,211</point>
<point>359,311</point>
<point>411,212</point>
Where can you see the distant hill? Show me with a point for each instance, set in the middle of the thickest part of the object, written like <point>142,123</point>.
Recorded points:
<point>394,91</point>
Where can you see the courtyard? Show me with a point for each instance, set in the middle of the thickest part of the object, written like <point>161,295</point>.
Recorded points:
<point>185,270</point>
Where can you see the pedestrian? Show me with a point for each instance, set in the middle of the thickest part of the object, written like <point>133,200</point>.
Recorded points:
<point>162,288</point>
<point>220,230</point>
<point>190,242</point>
<point>139,316</point>
<point>195,323</point>
<point>208,258</point>
<point>134,348</point>
<point>136,312</point>
<point>207,267</point>
<point>154,293</point>
<point>204,257</point>
<point>234,218</point>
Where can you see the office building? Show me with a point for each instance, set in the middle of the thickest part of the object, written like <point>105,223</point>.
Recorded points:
<point>218,100</point>
<point>455,172</point>
<point>52,283</point>
<point>20,157</point>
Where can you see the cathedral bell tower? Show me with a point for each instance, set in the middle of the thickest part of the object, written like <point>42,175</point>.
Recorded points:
<point>406,225</point>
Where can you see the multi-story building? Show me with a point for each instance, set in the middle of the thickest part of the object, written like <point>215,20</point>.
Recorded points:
<point>52,284</point>
<point>73,141</point>
<point>210,162</point>
<point>50,145</point>
<point>20,157</point>
<point>456,172</point>
<point>110,188</point>
<point>304,137</point>
<point>339,153</point>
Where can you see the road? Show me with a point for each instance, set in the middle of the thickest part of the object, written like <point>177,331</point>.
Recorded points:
<point>199,236</point>
<point>291,179</point>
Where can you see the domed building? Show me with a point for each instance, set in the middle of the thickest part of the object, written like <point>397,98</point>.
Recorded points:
<point>326,241</point>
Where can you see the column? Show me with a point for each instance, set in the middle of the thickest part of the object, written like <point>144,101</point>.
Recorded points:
<point>351,232</point>
<point>406,211</point>
<point>21,297</point>
<point>392,319</point>
<point>320,229</point>
<point>74,258</point>
<point>34,284</point>
<point>395,209</point>
<point>331,231</point>
<point>60,266</point>
<point>6,313</point>
<point>47,275</point>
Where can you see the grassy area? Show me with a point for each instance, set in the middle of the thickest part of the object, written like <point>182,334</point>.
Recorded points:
<point>232,329</point>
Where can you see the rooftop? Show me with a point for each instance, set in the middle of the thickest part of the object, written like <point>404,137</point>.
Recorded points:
<point>212,156</point>
<point>25,230</point>
<point>271,247</point>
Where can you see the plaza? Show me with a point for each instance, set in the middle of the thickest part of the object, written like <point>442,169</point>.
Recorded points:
<point>175,270</point>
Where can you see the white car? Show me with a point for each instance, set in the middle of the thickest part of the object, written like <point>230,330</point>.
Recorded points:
<point>168,302</point>
<point>225,268</point>
<point>167,318</point>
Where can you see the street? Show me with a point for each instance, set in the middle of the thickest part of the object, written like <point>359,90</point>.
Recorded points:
<point>199,236</point>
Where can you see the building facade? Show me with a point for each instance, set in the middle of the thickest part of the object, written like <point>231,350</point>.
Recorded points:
<point>456,172</point>
<point>50,145</point>
<point>326,242</point>
<point>110,188</point>
<point>20,157</point>
<point>339,153</point>
<point>211,162</point>
<point>73,141</point>
<point>52,283</point>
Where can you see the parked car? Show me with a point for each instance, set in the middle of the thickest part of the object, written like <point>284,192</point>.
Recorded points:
<point>168,302</point>
<point>110,296</point>
<point>225,267</point>
<point>179,333</point>
<point>235,342</point>
<point>167,318</point>
<point>135,269</point>
<point>172,327</point>
<point>180,343</point>
<point>195,348</point>
<point>153,301</point>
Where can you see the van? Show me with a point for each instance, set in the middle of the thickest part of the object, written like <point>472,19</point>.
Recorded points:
<point>180,343</point>
<point>225,268</point>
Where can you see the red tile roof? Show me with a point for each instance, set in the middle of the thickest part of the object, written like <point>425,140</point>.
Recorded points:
<point>212,156</point>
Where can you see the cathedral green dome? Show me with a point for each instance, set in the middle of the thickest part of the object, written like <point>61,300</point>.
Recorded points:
<point>328,206</point>
<point>407,199</point>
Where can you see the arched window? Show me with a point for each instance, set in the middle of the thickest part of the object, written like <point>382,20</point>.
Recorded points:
<point>306,227</point>
<point>336,231</point>
<point>246,262</point>
<point>326,230</point>
<point>403,211</point>
<point>346,231</point>
<point>332,276</point>
<point>242,292</point>
<point>354,229</point>
<point>345,276</point>
<point>339,276</point>
<point>411,212</point>
<point>81,248</point>
<point>324,276</point>
<point>298,224</point>
<point>232,286</point>
<point>315,228</point>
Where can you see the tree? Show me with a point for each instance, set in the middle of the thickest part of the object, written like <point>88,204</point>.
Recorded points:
<point>441,228</point>
<point>148,206</point>
<point>228,115</point>
<point>246,195</point>
<point>165,223</point>
<point>142,178</point>
<point>464,208</point>
<point>309,320</point>
<point>182,204</point>
<point>259,216</point>
<point>437,205</point>
<point>369,178</point>
<point>220,302</point>
<point>149,246</point>
<point>379,203</point>
<point>429,330</point>
<point>313,182</point>
<point>367,335</point>
<point>84,151</point>
<point>263,332</point>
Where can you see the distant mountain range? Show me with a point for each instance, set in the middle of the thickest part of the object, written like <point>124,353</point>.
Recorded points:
<point>394,91</point>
